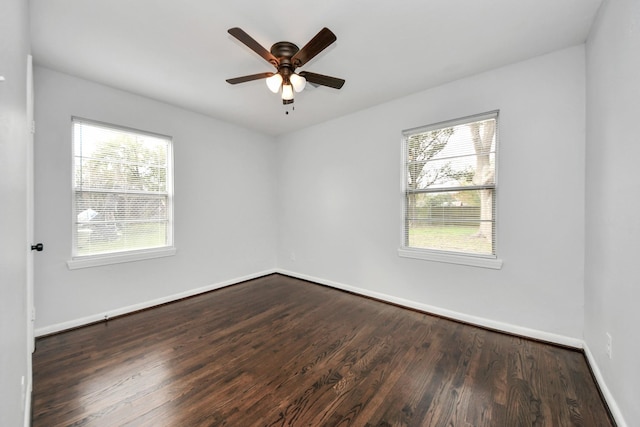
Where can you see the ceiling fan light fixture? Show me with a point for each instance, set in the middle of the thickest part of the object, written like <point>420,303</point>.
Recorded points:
<point>287,92</point>
<point>274,82</point>
<point>298,82</point>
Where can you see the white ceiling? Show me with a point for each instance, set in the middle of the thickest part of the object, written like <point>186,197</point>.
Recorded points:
<point>180,52</point>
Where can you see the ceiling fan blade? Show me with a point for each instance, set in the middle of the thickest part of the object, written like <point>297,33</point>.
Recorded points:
<point>253,45</point>
<point>323,80</point>
<point>320,42</point>
<point>249,78</point>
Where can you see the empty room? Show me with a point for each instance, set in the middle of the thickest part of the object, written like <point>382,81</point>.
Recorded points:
<point>410,213</point>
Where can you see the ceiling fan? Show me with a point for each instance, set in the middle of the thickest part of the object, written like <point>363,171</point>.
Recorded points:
<point>286,57</point>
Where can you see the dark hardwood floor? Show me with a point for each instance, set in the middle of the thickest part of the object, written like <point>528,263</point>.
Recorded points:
<point>277,351</point>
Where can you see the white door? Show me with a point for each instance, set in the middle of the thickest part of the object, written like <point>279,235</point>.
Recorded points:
<point>30,208</point>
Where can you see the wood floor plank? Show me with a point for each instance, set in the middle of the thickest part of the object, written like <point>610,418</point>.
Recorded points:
<point>278,351</point>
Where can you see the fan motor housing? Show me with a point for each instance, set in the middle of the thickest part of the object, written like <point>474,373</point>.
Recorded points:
<point>284,50</point>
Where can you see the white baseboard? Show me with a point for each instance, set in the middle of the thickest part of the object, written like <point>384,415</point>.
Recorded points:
<point>608,397</point>
<point>462,317</point>
<point>58,327</point>
<point>475,320</point>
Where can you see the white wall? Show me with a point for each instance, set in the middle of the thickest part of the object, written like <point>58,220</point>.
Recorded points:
<point>14,357</point>
<point>340,199</point>
<point>612,285</point>
<point>224,203</point>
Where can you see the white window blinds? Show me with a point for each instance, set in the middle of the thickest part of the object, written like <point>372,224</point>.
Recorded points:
<point>122,189</point>
<point>450,186</point>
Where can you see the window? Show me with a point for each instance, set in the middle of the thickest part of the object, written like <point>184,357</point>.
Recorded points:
<point>450,191</point>
<point>122,193</point>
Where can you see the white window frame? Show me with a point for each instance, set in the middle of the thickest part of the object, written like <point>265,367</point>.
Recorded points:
<point>84,261</point>
<point>474,260</point>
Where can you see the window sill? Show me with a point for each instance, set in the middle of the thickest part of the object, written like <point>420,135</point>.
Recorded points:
<point>107,259</point>
<point>472,261</point>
